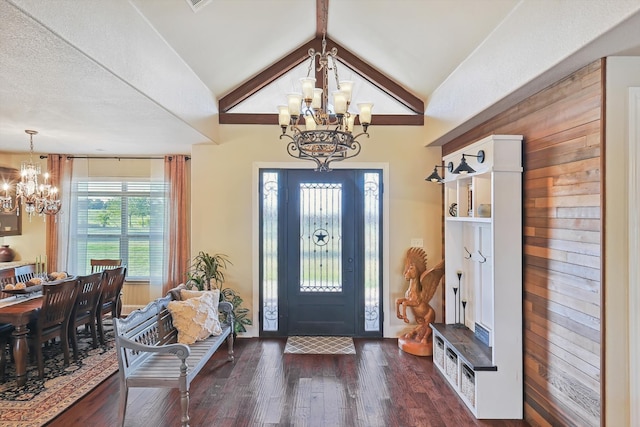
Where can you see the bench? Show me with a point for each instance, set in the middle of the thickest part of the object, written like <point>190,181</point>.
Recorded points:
<point>150,356</point>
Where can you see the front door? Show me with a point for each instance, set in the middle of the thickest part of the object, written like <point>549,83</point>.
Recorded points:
<point>321,253</point>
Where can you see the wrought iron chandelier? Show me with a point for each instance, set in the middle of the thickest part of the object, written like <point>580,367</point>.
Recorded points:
<point>323,132</point>
<point>35,194</point>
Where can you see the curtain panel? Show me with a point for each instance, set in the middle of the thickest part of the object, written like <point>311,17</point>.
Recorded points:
<point>57,227</point>
<point>178,244</point>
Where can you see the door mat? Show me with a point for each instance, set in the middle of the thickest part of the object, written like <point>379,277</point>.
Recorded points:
<point>319,345</point>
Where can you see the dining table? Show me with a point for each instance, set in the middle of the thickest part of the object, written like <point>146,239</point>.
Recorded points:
<point>19,311</point>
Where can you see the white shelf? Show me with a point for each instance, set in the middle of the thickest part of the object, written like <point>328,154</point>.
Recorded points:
<point>469,219</point>
<point>488,252</point>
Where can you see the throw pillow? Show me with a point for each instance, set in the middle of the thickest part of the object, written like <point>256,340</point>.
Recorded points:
<point>195,319</point>
<point>185,294</point>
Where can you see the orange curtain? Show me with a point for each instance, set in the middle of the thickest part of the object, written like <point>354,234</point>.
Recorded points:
<point>177,224</point>
<point>60,168</point>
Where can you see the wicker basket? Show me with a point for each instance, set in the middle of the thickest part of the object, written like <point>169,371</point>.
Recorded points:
<point>468,384</point>
<point>438,352</point>
<point>451,366</point>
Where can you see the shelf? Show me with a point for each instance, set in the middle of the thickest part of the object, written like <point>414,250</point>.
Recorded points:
<point>468,219</point>
<point>480,245</point>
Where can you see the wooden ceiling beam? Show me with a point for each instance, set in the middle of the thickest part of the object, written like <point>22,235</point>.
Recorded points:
<point>378,79</point>
<point>272,119</point>
<point>295,58</point>
<point>322,17</point>
<point>267,76</point>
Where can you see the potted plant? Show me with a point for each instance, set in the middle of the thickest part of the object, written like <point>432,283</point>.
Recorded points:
<point>205,268</point>
<point>239,314</point>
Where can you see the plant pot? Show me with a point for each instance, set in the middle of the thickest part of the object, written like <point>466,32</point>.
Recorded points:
<point>6,253</point>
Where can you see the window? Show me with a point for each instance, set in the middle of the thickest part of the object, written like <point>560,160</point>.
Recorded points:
<point>119,220</point>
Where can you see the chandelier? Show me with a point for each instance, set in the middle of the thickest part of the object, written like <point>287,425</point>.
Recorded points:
<point>322,132</point>
<point>36,194</point>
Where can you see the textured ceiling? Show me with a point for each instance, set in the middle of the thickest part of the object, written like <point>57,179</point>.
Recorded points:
<point>143,77</point>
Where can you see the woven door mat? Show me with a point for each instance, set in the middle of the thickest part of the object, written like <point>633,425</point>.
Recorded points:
<point>319,345</point>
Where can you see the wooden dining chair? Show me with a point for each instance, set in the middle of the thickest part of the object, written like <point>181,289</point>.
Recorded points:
<point>85,308</point>
<point>110,302</point>
<point>52,320</point>
<point>5,336</point>
<point>104,264</point>
<point>7,276</point>
<point>25,273</point>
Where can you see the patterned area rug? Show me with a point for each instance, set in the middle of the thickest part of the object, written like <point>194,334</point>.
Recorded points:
<point>320,345</point>
<point>39,401</point>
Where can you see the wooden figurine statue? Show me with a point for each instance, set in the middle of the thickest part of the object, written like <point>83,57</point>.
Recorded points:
<point>422,286</point>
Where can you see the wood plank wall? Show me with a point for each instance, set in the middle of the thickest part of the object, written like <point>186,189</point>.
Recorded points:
<point>563,130</point>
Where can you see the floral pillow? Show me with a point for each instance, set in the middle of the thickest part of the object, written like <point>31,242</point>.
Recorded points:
<point>196,318</point>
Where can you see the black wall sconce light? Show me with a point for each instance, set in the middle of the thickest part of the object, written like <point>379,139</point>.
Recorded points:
<point>434,177</point>
<point>464,167</point>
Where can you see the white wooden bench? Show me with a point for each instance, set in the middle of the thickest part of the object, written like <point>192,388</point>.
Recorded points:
<point>149,355</point>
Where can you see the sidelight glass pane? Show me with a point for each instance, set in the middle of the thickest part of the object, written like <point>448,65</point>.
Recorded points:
<point>320,237</point>
<point>270,251</point>
<point>372,251</point>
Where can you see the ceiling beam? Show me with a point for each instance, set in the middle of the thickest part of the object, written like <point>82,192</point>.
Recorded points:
<point>270,74</point>
<point>272,119</point>
<point>378,79</point>
<point>322,17</point>
<point>295,58</point>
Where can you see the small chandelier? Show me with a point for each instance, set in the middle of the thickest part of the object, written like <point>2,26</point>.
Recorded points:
<point>36,194</point>
<point>320,132</point>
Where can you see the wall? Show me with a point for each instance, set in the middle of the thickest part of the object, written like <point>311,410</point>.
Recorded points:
<point>223,202</point>
<point>562,191</point>
<point>622,73</point>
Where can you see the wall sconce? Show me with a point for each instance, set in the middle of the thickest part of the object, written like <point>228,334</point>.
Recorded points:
<point>464,167</point>
<point>434,177</point>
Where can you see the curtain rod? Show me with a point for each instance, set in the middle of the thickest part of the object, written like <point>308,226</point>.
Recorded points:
<point>42,156</point>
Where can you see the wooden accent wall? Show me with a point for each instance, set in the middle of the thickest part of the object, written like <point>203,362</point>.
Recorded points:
<point>563,129</point>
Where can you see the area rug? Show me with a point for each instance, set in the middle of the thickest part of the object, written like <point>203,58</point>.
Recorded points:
<point>39,401</point>
<point>319,345</point>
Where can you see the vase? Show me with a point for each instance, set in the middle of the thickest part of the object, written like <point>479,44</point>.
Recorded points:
<point>6,253</point>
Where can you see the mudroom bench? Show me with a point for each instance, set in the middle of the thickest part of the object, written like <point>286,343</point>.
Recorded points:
<point>466,364</point>
<point>150,356</point>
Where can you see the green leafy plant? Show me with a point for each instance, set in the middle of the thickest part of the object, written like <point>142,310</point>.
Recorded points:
<point>206,268</point>
<point>239,313</point>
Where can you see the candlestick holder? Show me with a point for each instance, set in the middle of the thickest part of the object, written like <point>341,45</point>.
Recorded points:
<point>455,305</point>
<point>464,307</point>
<point>458,324</point>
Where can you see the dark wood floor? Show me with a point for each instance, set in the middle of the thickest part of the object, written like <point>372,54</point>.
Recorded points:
<point>379,386</point>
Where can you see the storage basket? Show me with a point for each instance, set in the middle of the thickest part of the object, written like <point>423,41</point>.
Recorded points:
<point>438,352</point>
<point>451,366</point>
<point>468,384</point>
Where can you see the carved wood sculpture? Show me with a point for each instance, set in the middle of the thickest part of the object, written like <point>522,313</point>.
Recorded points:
<point>423,284</point>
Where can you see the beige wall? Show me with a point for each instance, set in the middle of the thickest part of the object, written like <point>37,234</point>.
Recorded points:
<point>224,201</point>
<point>622,73</point>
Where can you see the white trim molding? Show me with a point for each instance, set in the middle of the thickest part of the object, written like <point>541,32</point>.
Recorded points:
<point>634,254</point>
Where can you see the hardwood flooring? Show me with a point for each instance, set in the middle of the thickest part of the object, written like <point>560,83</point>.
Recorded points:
<point>378,386</point>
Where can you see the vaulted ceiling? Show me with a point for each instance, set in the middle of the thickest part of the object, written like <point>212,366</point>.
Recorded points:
<point>145,77</point>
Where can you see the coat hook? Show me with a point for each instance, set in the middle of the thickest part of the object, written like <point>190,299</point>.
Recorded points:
<point>468,253</point>
<point>484,258</point>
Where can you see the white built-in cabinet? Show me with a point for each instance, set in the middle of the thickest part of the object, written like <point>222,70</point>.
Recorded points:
<point>479,348</point>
